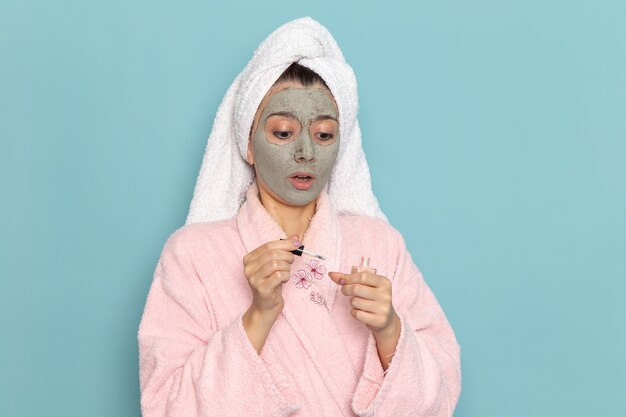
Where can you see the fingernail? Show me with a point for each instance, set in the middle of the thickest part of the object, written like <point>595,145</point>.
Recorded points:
<point>341,281</point>
<point>297,244</point>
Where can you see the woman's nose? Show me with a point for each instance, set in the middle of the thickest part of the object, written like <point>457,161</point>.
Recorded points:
<point>305,148</point>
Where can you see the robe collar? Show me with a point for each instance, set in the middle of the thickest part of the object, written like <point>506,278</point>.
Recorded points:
<point>310,294</point>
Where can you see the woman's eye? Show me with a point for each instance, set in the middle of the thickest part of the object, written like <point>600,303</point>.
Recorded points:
<point>325,136</point>
<point>282,134</point>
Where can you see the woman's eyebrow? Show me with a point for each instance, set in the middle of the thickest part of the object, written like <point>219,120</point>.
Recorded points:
<point>325,117</point>
<point>293,116</point>
<point>284,114</point>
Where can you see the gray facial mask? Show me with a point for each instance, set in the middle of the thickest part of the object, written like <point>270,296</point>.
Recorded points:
<point>276,163</point>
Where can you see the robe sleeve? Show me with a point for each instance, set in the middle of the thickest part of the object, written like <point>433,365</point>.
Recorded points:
<point>188,367</point>
<point>424,376</point>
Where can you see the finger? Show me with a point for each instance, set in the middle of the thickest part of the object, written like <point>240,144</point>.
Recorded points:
<point>278,255</point>
<point>364,304</point>
<point>286,245</point>
<point>273,266</point>
<point>366,278</point>
<point>337,277</point>
<point>276,279</point>
<point>257,273</point>
<point>285,276</point>
<point>367,318</point>
<point>363,291</point>
<point>275,255</point>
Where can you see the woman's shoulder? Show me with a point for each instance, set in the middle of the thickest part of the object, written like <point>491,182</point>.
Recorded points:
<point>195,235</point>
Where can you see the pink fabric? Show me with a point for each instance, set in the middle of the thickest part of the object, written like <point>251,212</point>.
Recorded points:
<point>195,358</point>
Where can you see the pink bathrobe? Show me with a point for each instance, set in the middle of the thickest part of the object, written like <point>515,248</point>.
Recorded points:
<point>195,358</point>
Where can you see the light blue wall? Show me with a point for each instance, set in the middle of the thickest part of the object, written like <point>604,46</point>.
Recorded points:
<point>496,136</point>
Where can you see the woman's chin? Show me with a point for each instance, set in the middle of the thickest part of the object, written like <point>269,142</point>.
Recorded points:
<point>300,198</point>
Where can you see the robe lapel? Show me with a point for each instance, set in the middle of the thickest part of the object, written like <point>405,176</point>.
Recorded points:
<point>310,294</point>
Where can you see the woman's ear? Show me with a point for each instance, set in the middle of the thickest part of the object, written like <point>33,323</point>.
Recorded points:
<point>250,154</point>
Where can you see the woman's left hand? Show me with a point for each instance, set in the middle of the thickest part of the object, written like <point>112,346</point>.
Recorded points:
<point>371,304</point>
<point>371,301</point>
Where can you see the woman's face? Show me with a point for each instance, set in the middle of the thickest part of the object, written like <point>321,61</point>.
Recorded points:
<point>294,142</point>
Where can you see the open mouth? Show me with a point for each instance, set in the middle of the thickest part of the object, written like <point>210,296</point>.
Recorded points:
<point>302,180</point>
<point>303,176</point>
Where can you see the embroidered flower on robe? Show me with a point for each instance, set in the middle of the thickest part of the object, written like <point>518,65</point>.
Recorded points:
<point>318,299</point>
<point>302,279</point>
<point>317,269</point>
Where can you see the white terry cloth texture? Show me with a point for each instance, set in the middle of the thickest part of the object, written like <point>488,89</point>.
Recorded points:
<point>225,175</point>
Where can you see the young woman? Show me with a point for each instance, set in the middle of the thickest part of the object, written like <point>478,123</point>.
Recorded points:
<point>261,305</point>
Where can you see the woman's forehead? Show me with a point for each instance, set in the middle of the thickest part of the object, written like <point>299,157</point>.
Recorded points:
<point>300,102</point>
<point>290,85</point>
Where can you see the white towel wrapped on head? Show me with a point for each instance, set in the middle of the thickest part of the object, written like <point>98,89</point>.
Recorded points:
<point>225,175</point>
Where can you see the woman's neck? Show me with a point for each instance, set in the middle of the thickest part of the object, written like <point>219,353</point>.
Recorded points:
<point>292,219</point>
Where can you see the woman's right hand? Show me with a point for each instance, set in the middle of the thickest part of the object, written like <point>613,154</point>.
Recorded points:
<point>266,268</point>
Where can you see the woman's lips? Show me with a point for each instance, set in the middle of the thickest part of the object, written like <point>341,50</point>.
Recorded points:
<point>302,180</point>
